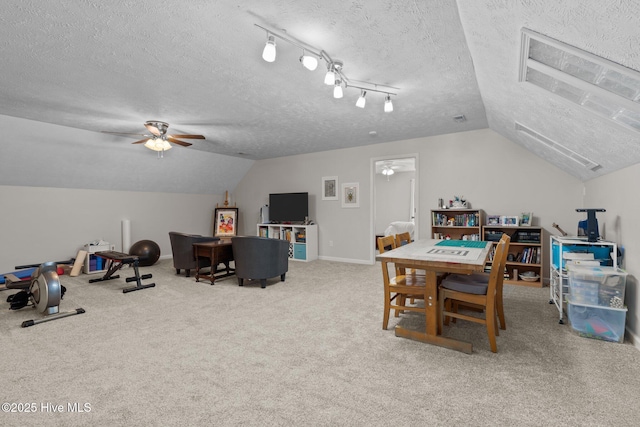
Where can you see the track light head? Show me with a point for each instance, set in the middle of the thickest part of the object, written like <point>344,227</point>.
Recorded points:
<point>337,89</point>
<point>309,62</point>
<point>269,52</point>
<point>333,72</point>
<point>388,105</point>
<point>361,100</point>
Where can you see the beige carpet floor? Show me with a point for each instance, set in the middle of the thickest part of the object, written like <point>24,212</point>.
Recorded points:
<point>306,352</point>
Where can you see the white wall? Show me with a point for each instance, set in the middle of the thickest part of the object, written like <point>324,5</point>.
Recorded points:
<point>616,192</point>
<point>491,172</point>
<point>50,224</point>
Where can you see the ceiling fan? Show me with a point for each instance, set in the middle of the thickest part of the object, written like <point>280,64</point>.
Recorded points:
<point>159,139</point>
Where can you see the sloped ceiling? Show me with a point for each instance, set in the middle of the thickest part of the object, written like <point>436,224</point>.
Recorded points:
<point>111,66</point>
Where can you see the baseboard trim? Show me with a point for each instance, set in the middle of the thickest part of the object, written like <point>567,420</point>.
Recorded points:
<point>633,339</point>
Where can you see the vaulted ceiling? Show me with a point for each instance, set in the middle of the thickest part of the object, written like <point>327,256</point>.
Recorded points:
<point>111,66</point>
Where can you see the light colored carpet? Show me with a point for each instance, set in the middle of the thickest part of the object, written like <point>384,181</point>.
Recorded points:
<point>309,351</point>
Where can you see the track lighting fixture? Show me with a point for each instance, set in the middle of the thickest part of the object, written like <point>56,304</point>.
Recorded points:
<point>334,75</point>
<point>269,52</point>
<point>361,100</point>
<point>388,105</point>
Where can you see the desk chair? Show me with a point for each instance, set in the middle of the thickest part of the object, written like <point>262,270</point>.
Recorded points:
<point>476,295</point>
<point>482,279</point>
<point>397,289</point>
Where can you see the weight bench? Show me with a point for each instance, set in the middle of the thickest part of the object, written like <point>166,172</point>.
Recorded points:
<point>115,261</point>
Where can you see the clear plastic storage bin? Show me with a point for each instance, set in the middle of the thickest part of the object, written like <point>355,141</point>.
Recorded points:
<point>592,321</point>
<point>604,286</point>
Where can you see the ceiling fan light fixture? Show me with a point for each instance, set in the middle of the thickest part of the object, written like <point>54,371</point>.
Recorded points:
<point>269,51</point>
<point>157,144</point>
<point>361,99</point>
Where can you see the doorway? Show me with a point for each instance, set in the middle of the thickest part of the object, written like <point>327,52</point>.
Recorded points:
<point>394,186</point>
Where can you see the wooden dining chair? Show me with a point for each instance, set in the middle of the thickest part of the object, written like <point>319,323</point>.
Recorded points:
<point>399,288</point>
<point>482,279</point>
<point>477,295</point>
<point>403,239</point>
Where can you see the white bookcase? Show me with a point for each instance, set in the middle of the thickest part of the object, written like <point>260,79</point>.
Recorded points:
<point>303,239</point>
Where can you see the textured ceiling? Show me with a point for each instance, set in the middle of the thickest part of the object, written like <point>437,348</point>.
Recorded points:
<point>111,66</point>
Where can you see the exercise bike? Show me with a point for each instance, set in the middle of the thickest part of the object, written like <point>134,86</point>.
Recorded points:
<point>43,292</point>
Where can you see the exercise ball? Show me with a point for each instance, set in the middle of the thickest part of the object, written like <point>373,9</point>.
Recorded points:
<point>147,251</point>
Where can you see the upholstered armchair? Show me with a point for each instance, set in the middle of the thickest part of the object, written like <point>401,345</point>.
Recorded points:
<point>182,248</point>
<point>260,258</point>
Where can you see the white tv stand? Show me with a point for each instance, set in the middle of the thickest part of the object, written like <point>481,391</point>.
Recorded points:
<point>303,239</point>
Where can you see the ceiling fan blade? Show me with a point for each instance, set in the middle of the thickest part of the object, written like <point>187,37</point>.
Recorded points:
<point>187,136</point>
<point>142,141</point>
<point>177,141</point>
<point>154,130</point>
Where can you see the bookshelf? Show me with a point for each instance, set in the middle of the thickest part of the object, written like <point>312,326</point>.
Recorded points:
<point>303,239</point>
<point>526,252</point>
<point>456,224</point>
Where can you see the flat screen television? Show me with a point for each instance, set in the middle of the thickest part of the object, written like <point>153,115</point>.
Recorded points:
<point>288,207</point>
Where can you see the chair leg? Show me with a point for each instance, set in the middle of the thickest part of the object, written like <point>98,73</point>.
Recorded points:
<point>387,309</point>
<point>177,271</point>
<point>240,281</point>
<point>188,272</point>
<point>282,277</point>
<point>400,299</point>
<point>500,310</point>
<point>491,332</point>
<point>263,283</point>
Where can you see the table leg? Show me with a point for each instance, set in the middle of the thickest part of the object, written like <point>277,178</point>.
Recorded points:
<point>430,335</point>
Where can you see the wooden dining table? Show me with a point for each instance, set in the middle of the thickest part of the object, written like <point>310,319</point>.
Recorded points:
<point>437,256</point>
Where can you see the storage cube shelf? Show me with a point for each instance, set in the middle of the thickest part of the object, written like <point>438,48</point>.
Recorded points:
<point>303,239</point>
<point>92,263</point>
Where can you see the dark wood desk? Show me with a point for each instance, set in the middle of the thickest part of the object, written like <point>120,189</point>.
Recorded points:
<point>218,252</point>
<point>425,255</point>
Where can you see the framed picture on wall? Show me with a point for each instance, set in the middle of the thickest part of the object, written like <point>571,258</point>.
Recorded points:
<point>225,222</point>
<point>351,195</point>
<point>329,188</point>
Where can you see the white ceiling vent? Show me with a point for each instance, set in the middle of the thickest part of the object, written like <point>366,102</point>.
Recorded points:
<point>559,148</point>
<point>598,85</point>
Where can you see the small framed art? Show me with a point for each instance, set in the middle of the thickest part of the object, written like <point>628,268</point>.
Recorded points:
<point>351,195</point>
<point>225,222</point>
<point>493,220</point>
<point>329,188</point>
<point>509,221</point>
<point>526,218</point>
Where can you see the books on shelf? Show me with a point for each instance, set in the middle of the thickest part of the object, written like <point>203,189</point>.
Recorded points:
<point>456,220</point>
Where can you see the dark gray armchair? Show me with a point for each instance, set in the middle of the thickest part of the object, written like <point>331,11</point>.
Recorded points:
<point>182,248</point>
<point>260,258</point>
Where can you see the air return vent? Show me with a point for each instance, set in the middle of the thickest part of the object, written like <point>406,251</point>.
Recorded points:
<point>535,136</point>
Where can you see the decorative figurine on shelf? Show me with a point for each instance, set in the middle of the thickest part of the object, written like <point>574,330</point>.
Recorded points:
<point>458,202</point>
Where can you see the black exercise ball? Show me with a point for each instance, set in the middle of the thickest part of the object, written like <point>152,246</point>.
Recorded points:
<point>147,251</point>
